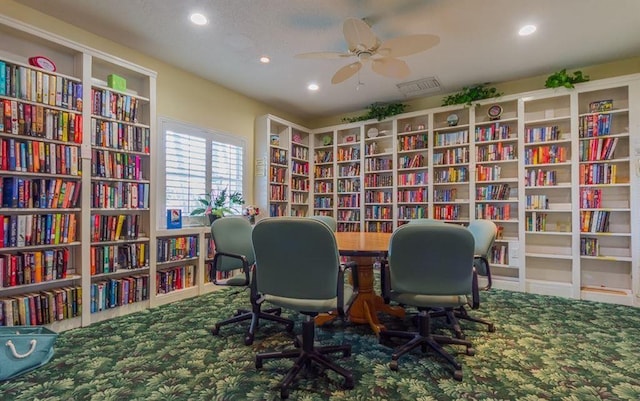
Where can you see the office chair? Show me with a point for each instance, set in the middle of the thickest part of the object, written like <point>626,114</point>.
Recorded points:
<point>298,267</point>
<point>430,266</point>
<point>328,220</point>
<point>234,254</point>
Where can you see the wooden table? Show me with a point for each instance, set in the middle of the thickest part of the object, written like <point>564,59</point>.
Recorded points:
<point>365,307</point>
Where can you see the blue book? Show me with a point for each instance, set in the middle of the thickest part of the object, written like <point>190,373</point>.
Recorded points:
<point>3,78</point>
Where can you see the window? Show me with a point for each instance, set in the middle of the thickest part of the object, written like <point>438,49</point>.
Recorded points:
<point>196,162</point>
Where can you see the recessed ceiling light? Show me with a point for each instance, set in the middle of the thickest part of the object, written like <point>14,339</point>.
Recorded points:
<point>265,60</point>
<point>313,87</point>
<point>527,30</point>
<point>198,19</point>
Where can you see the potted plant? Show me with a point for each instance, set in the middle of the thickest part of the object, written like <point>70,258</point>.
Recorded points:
<point>218,204</point>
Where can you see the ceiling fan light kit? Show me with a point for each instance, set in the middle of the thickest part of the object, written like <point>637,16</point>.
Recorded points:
<point>367,47</point>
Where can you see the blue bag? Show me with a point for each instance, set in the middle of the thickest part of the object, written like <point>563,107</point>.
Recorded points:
<point>24,348</point>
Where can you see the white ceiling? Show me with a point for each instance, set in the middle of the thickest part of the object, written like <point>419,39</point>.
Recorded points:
<point>478,41</point>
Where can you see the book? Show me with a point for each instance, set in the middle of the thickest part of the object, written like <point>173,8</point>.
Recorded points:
<point>174,218</point>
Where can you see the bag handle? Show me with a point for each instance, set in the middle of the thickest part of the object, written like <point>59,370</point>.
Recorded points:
<point>15,353</point>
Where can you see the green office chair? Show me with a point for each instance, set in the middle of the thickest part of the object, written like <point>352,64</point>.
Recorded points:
<point>298,267</point>
<point>328,220</point>
<point>234,254</point>
<point>430,266</point>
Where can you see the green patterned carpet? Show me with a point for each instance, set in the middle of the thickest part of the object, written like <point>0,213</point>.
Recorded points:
<point>544,348</point>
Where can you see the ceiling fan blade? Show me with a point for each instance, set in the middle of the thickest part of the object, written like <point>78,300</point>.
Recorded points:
<point>358,35</point>
<point>391,67</point>
<point>346,72</point>
<point>407,45</point>
<point>323,55</point>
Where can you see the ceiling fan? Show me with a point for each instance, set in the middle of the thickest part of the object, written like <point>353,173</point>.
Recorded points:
<point>366,46</point>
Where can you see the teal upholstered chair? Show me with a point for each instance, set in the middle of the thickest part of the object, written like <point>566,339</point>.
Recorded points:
<point>298,267</point>
<point>234,259</point>
<point>328,220</point>
<point>430,266</point>
<point>426,221</point>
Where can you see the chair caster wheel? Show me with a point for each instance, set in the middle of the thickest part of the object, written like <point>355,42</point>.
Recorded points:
<point>492,328</point>
<point>277,312</point>
<point>258,363</point>
<point>349,384</point>
<point>297,342</point>
<point>346,353</point>
<point>289,327</point>
<point>393,365</point>
<point>471,351</point>
<point>248,339</point>
<point>457,375</point>
<point>284,393</point>
<point>215,330</point>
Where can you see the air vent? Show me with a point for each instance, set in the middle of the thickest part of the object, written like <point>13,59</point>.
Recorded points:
<point>420,87</point>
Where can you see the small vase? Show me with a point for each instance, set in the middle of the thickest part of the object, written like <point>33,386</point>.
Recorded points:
<point>252,220</point>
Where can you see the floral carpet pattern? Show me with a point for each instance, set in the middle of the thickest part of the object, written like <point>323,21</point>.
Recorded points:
<point>544,348</point>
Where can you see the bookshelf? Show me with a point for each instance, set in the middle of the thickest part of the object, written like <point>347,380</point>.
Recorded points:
<point>283,168</point>
<point>379,177</point>
<point>349,179</point>
<point>323,178</point>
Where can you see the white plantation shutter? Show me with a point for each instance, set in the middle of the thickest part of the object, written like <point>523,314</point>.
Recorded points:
<point>196,162</point>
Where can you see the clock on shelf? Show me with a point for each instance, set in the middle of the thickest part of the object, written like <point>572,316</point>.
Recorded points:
<point>494,112</point>
<point>452,120</point>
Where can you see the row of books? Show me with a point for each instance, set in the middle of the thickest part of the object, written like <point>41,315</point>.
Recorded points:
<point>452,174</point>
<point>411,161</point>
<point>39,157</point>
<point>451,156</point>
<point>410,179</point>
<point>493,212</point>
<point>378,180</point>
<point>589,246</point>
<point>488,173</point>
<point>323,202</point>
<point>590,198</point>
<point>120,136</point>
<point>493,132</point>
<point>300,184</point>
<point>323,172</point>
<point>412,142</point>
<point>320,187</point>
<point>39,193</point>
<point>112,258</point>
<point>298,167</point>
<point>277,174</point>
<point>593,174</point>
<point>129,195</point>
<point>446,212</point>
<point>323,156</point>
<point>378,196</point>
<point>348,154</point>
<point>115,227</point>
<point>45,307</point>
<point>597,149</point>
<point>594,125</point>
<point>536,202</point>
<point>37,229</point>
<point>594,221</point>
<point>35,120</point>
<point>495,152</point>
<point>351,170</point>
<point>535,222</point>
<point>445,194</point>
<point>545,155</point>
<point>109,104</point>
<point>110,164</point>
<point>349,184</point>
<point>278,156</point>
<point>540,178</point>
<point>376,212</point>
<point>451,138</point>
<point>277,192</point>
<point>170,249</point>
<point>542,134</point>
<point>499,254</point>
<point>277,210</point>
<point>118,292</point>
<point>375,226</point>
<point>33,267</point>
<point>412,212</point>
<point>299,198</point>
<point>300,152</point>
<point>493,192</point>
<point>348,215</point>
<point>412,195</point>
<point>352,227</point>
<point>175,279</point>
<point>38,86</point>
<point>349,201</point>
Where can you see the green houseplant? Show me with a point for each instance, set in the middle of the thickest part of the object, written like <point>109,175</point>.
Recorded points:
<point>470,94</point>
<point>218,204</point>
<point>379,112</point>
<point>562,79</point>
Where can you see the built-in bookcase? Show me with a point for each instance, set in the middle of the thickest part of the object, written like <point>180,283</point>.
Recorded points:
<point>323,179</point>
<point>349,179</point>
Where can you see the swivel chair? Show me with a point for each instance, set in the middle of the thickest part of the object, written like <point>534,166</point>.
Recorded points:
<point>234,254</point>
<point>430,266</point>
<point>298,267</point>
<point>328,220</point>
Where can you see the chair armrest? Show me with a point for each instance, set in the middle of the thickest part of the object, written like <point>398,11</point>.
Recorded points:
<point>385,281</point>
<point>483,259</point>
<point>353,267</point>
<point>242,258</point>
<point>341,306</point>
<point>475,292</point>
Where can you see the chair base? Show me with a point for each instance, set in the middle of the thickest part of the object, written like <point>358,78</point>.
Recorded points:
<point>254,315</point>
<point>454,315</point>
<point>425,340</point>
<point>305,355</point>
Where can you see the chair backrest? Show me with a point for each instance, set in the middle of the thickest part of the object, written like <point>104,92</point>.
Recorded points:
<point>484,233</point>
<point>232,234</point>
<point>426,221</point>
<point>296,258</point>
<point>433,259</point>
<point>328,220</point>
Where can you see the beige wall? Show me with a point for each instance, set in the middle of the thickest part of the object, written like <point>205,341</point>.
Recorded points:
<point>606,70</point>
<point>180,95</point>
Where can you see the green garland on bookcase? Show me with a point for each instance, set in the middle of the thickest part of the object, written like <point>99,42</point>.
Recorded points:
<point>379,112</point>
<point>470,94</point>
<point>562,79</point>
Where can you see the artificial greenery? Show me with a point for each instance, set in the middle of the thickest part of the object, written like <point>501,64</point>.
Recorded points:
<point>470,94</point>
<point>379,112</point>
<point>562,79</point>
<point>218,204</point>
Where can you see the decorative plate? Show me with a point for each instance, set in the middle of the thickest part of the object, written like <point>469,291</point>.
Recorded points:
<point>452,120</point>
<point>42,62</point>
<point>372,132</point>
<point>494,112</point>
